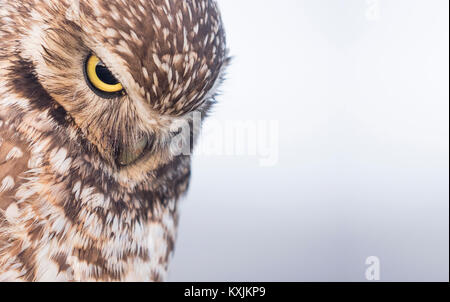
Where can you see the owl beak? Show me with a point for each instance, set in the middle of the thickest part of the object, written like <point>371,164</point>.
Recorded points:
<point>130,154</point>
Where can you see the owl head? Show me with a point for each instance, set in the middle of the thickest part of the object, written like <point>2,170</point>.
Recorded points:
<point>120,73</point>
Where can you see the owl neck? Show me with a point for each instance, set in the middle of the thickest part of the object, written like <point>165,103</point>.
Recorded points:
<point>80,223</point>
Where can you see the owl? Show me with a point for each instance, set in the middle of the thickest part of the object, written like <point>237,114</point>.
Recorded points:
<point>91,94</point>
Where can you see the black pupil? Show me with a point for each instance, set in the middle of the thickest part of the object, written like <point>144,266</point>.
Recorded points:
<point>105,75</point>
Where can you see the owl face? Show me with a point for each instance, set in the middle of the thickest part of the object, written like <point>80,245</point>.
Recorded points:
<point>123,72</point>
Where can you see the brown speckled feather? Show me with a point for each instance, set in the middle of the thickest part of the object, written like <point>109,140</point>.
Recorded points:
<point>14,157</point>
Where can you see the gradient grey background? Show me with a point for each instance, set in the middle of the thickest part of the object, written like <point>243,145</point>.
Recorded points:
<point>363,108</point>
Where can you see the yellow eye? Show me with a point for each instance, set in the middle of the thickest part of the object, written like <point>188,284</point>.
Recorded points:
<point>100,77</point>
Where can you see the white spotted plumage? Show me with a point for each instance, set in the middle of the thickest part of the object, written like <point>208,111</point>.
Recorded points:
<point>7,184</point>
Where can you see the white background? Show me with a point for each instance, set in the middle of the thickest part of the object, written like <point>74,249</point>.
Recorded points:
<point>360,90</point>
